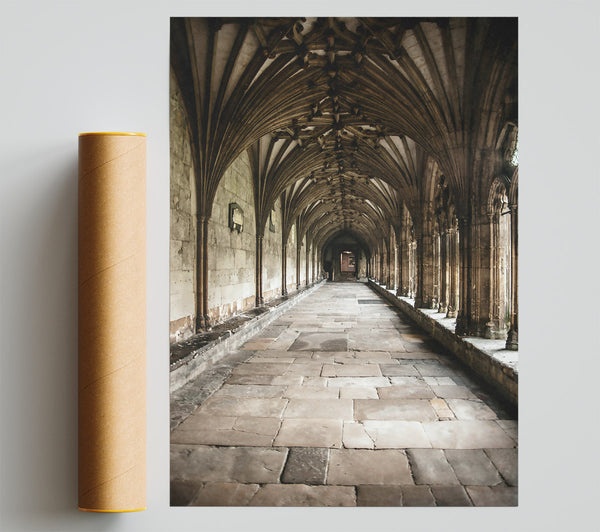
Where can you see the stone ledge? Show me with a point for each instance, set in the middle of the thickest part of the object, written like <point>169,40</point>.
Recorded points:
<point>489,359</point>
<point>191,357</point>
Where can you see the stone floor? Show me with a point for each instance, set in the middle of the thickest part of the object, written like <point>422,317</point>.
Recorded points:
<point>342,402</point>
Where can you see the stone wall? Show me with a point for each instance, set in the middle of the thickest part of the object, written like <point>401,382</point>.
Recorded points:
<point>231,254</point>
<point>183,226</point>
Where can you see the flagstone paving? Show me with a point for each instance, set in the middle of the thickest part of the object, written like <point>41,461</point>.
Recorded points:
<point>343,402</point>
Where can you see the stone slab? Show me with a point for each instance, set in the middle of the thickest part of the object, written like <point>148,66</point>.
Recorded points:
<point>319,409</point>
<point>453,392</point>
<point>256,432</point>
<point>242,406</point>
<point>302,495</point>
<point>265,379</point>
<point>351,370</point>
<point>429,466</point>
<point>306,370</point>
<point>319,341</point>
<point>406,392</point>
<point>249,391</point>
<point>375,382</point>
<point>310,433</point>
<point>450,496</point>
<point>434,370</point>
<point>394,409</point>
<point>261,368</point>
<point>407,381</point>
<point>383,339</point>
<point>417,496</point>
<point>468,409</point>
<point>473,467</point>
<point>511,427</point>
<point>396,434</point>
<point>379,496</point>
<point>467,435</point>
<point>225,494</point>
<point>506,462</point>
<point>358,392</point>
<point>439,381</point>
<point>311,392</point>
<point>399,370</point>
<point>306,465</point>
<point>442,409</point>
<point>183,493</point>
<point>226,464</point>
<point>357,466</point>
<point>356,437</point>
<point>493,496</point>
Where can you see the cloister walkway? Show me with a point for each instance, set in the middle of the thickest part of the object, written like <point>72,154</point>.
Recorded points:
<point>343,402</point>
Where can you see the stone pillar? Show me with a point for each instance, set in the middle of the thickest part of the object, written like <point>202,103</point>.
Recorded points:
<point>425,282</point>
<point>512,340</point>
<point>435,296</point>
<point>404,264</point>
<point>495,326</point>
<point>259,301</point>
<point>464,292</point>
<point>398,271</point>
<point>443,306</point>
<point>396,285</point>
<point>298,251</point>
<point>475,280</point>
<point>283,266</point>
<point>201,270</point>
<point>307,262</point>
<point>389,284</point>
<point>454,275</point>
<point>207,321</point>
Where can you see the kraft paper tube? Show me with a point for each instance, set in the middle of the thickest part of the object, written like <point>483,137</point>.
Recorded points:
<point>112,322</point>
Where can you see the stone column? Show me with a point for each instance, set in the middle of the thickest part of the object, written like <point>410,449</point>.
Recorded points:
<point>398,271</point>
<point>404,264</point>
<point>390,266</point>
<point>512,340</point>
<point>425,282</point>
<point>475,274</point>
<point>259,301</point>
<point>495,326</point>
<point>201,222</point>
<point>396,268</point>
<point>464,292</point>
<point>307,280</point>
<point>207,321</point>
<point>443,306</point>
<point>435,296</point>
<point>298,250</point>
<point>283,266</point>
<point>454,276</point>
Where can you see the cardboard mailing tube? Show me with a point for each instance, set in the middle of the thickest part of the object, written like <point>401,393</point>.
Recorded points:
<point>112,322</point>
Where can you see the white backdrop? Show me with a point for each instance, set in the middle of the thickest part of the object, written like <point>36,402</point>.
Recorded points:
<point>68,67</point>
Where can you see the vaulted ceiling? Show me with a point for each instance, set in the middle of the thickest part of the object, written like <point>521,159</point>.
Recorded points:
<point>347,119</point>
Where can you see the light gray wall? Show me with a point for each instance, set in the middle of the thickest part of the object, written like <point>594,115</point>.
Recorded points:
<point>67,67</point>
